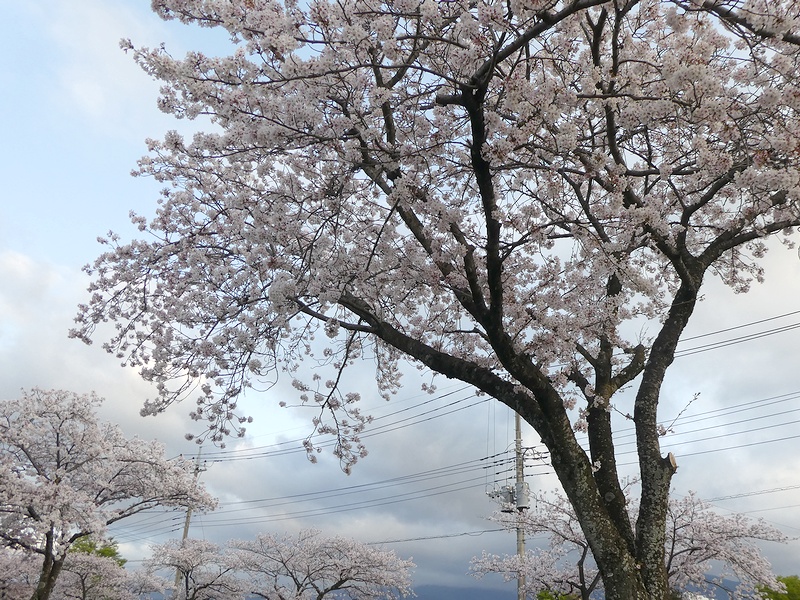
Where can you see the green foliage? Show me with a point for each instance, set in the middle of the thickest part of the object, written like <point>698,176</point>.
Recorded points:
<point>792,583</point>
<point>548,595</point>
<point>105,548</point>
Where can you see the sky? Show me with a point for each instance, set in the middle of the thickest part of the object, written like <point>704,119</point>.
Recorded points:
<point>75,112</point>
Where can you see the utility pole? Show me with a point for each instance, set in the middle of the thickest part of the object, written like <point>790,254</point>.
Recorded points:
<point>516,496</point>
<point>187,521</point>
<point>522,501</point>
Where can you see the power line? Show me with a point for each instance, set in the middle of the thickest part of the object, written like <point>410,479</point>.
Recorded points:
<point>437,537</point>
<point>230,454</point>
<point>317,512</point>
<point>742,326</point>
<point>754,493</point>
<point>737,340</point>
<point>467,483</point>
<point>737,447</point>
<point>458,468</point>
<point>472,481</point>
<point>255,453</point>
<point>451,487</point>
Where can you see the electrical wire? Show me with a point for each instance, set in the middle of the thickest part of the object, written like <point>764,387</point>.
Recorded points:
<point>754,493</point>
<point>166,522</point>
<point>451,487</point>
<point>220,456</point>
<point>733,341</point>
<point>741,326</point>
<point>437,537</point>
<point>296,446</point>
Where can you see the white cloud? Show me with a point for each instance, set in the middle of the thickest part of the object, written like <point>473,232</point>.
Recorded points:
<point>96,79</point>
<point>24,287</point>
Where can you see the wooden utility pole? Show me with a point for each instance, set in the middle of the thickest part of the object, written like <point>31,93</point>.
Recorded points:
<point>188,518</point>
<point>520,491</point>
<point>516,497</point>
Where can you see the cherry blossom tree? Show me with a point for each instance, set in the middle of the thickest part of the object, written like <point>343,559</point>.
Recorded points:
<point>84,576</point>
<point>525,195</point>
<point>698,537</point>
<point>705,550</point>
<point>68,476</point>
<point>93,570</point>
<point>312,567</point>
<point>92,577</point>
<point>565,566</point>
<point>20,573</point>
<point>144,584</point>
<point>203,571</point>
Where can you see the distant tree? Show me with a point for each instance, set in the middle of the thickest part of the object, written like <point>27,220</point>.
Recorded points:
<point>312,567</point>
<point>525,195</point>
<point>68,476</point>
<point>697,540</point>
<point>88,576</point>
<point>19,572</point>
<point>548,595</point>
<point>791,584</point>
<point>105,548</point>
<point>146,585</point>
<point>203,569</point>
<point>84,575</point>
<point>93,570</point>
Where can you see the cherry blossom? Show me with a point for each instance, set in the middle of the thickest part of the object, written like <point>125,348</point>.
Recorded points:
<point>310,566</point>
<point>92,577</point>
<point>20,574</point>
<point>146,585</point>
<point>705,550</point>
<point>83,577</point>
<point>68,476</point>
<point>203,573</point>
<point>526,196</point>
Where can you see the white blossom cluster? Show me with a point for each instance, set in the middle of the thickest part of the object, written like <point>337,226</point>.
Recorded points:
<point>308,566</point>
<point>706,551</point>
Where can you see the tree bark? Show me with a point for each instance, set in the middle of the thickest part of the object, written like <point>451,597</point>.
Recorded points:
<point>51,569</point>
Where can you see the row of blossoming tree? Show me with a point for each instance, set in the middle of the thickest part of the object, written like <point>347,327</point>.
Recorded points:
<point>65,477</point>
<point>308,566</point>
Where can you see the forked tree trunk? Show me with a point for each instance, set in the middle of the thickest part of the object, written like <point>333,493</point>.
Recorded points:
<point>51,569</point>
<point>624,572</point>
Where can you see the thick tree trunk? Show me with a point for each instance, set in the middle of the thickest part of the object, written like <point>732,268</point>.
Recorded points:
<point>623,582</point>
<point>51,568</point>
<point>626,575</point>
<point>656,471</point>
<point>611,548</point>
